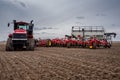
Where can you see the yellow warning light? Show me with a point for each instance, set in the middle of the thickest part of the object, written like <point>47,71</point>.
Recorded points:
<point>91,47</point>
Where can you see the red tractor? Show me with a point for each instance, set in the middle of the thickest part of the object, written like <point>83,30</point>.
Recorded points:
<point>22,37</point>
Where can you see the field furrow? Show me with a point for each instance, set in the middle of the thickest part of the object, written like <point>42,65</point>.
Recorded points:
<point>60,64</point>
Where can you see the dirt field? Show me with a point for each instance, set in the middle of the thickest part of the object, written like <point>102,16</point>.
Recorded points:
<point>61,64</point>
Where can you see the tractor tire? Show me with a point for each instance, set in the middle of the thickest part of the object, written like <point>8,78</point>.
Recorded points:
<point>49,43</point>
<point>68,45</point>
<point>31,45</point>
<point>83,46</point>
<point>9,46</point>
<point>53,45</point>
<point>36,43</point>
<point>105,46</point>
<point>109,45</point>
<point>94,45</point>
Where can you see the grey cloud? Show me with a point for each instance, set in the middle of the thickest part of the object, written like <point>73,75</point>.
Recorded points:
<point>43,28</point>
<point>48,33</point>
<point>101,14</point>
<point>80,17</point>
<point>21,3</point>
<point>115,25</point>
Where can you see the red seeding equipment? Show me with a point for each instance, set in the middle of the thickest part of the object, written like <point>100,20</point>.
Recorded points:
<point>44,43</point>
<point>82,36</point>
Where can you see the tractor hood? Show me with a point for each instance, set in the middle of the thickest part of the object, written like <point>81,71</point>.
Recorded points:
<point>19,34</point>
<point>21,31</point>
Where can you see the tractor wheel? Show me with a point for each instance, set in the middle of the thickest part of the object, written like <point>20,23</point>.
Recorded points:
<point>68,45</point>
<point>49,43</point>
<point>105,46</point>
<point>36,43</point>
<point>83,46</point>
<point>94,45</point>
<point>76,45</point>
<point>9,46</point>
<point>109,45</point>
<point>52,44</point>
<point>31,45</point>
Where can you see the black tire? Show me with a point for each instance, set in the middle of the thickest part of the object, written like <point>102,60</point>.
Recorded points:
<point>9,46</point>
<point>109,45</point>
<point>105,46</point>
<point>68,45</point>
<point>83,46</point>
<point>31,45</point>
<point>94,45</point>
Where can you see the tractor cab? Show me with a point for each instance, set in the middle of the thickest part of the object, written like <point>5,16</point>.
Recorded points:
<point>28,27</point>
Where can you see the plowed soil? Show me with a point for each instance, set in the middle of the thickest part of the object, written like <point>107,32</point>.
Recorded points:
<point>60,64</point>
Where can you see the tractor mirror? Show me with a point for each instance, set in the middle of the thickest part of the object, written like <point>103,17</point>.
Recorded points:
<point>14,21</point>
<point>8,24</point>
<point>31,25</point>
<point>31,21</point>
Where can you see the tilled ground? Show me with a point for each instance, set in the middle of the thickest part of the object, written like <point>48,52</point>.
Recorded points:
<point>60,64</point>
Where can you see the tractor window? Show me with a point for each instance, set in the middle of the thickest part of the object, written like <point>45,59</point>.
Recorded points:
<point>23,27</point>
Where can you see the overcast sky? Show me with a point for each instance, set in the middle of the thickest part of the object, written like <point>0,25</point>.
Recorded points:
<point>54,18</point>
